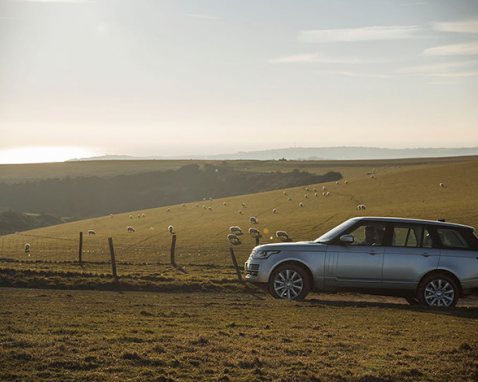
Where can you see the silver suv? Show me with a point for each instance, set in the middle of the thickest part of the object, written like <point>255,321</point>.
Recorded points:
<point>427,262</point>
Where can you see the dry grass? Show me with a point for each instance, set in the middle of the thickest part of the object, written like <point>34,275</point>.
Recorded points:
<point>103,336</point>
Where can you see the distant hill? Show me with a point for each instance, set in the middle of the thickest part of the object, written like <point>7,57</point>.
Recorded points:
<point>312,153</point>
<point>12,221</point>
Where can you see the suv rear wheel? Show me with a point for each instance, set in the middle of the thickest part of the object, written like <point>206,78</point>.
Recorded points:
<point>290,281</point>
<point>438,289</point>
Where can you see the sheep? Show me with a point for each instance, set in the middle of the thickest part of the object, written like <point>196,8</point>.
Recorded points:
<point>284,193</point>
<point>323,193</point>
<point>204,207</point>
<point>255,233</point>
<point>171,230</point>
<point>315,190</point>
<point>361,207</point>
<point>233,239</point>
<point>274,211</point>
<point>243,205</point>
<point>372,176</point>
<point>209,208</point>
<point>282,236</point>
<point>323,188</point>
<point>183,205</point>
<point>131,216</point>
<point>224,204</point>
<point>236,230</point>
<point>337,182</point>
<point>239,212</point>
<point>143,215</point>
<point>139,216</point>
<point>130,229</point>
<point>316,194</point>
<point>301,204</point>
<point>306,196</point>
<point>289,199</point>
<point>111,215</point>
<point>307,189</point>
<point>253,220</point>
<point>346,182</point>
<point>91,232</point>
<point>168,210</point>
<point>27,248</point>
<point>327,194</point>
<point>442,185</point>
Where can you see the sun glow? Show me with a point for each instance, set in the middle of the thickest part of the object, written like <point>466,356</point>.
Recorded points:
<point>42,154</point>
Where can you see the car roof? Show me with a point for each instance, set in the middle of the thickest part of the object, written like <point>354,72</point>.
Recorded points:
<point>416,221</point>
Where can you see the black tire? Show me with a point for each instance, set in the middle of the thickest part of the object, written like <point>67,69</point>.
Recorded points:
<point>442,282</point>
<point>412,300</point>
<point>291,291</point>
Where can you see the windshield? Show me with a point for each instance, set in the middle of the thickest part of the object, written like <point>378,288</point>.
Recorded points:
<point>326,237</point>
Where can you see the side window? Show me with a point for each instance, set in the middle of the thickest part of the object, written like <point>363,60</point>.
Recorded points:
<point>451,238</point>
<point>369,234</point>
<point>427,239</point>
<point>406,236</point>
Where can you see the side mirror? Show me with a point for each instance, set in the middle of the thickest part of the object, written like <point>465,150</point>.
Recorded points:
<point>347,239</point>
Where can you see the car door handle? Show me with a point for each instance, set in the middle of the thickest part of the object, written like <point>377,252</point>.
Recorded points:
<point>372,253</point>
<point>425,254</point>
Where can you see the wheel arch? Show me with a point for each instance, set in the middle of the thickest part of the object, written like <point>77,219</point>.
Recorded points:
<point>446,272</point>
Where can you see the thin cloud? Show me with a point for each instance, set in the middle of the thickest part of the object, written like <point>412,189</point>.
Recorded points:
<point>463,49</point>
<point>202,16</point>
<point>464,26</point>
<point>317,58</point>
<point>375,33</point>
<point>453,69</point>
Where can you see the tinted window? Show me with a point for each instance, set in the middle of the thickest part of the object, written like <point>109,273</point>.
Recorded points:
<point>369,234</point>
<point>427,239</point>
<point>407,236</point>
<point>451,238</point>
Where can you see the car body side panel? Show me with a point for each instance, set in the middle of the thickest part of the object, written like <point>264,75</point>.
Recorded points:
<point>463,264</point>
<point>404,267</point>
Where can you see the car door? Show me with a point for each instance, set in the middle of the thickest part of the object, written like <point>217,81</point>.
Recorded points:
<point>412,253</point>
<point>359,264</point>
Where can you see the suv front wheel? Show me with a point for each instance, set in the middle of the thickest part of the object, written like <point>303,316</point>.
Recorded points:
<point>290,281</point>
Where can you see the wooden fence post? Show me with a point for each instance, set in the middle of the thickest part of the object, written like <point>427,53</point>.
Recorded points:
<point>236,267</point>
<point>173,250</point>
<point>80,249</point>
<point>113,260</point>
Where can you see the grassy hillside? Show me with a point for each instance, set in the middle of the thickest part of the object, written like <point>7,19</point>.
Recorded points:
<point>395,190</point>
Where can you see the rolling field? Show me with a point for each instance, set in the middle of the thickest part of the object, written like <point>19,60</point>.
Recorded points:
<point>165,325</point>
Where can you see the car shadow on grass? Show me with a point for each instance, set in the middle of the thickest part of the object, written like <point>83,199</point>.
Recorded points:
<point>468,312</point>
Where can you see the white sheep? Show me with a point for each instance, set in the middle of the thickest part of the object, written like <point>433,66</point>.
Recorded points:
<point>139,216</point>
<point>255,233</point>
<point>130,229</point>
<point>337,182</point>
<point>284,193</point>
<point>131,216</point>
<point>143,215</point>
<point>27,247</point>
<point>236,230</point>
<point>306,196</point>
<point>307,189</point>
<point>316,194</point>
<point>91,232</point>
<point>301,204</point>
<point>233,239</point>
<point>327,193</point>
<point>253,220</point>
<point>361,206</point>
<point>282,236</point>
<point>209,208</point>
<point>323,188</point>
<point>346,182</point>
<point>243,205</point>
<point>171,230</point>
<point>224,204</point>
<point>442,185</point>
<point>289,199</point>
<point>274,211</point>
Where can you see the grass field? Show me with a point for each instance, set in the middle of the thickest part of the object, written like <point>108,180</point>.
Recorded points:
<point>108,336</point>
<point>167,325</point>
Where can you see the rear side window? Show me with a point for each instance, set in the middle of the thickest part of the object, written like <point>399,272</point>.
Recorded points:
<point>406,236</point>
<point>451,238</point>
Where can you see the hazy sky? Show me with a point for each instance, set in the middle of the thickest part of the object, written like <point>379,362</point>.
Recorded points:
<point>151,77</point>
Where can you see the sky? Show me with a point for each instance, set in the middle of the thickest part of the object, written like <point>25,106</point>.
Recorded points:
<point>153,77</point>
